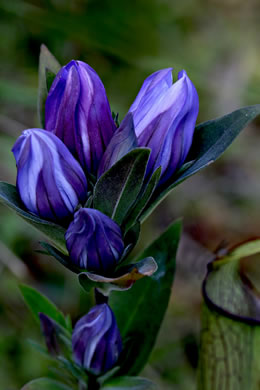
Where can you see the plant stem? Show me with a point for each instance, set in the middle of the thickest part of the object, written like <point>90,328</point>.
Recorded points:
<point>100,298</point>
<point>93,383</point>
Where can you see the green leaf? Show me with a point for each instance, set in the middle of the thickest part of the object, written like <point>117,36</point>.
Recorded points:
<point>129,383</point>
<point>55,233</point>
<point>63,259</point>
<point>38,303</point>
<point>140,310</point>
<point>117,190</point>
<point>230,337</point>
<point>45,384</point>
<point>123,141</point>
<point>210,140</point>
<point>142,199</point>
<point>48,68</point>
<point>128,275</point>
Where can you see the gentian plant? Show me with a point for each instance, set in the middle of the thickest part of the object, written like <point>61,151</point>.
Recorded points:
<point>88,182</point>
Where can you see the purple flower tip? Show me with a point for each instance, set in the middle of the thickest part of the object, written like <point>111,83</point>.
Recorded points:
<point>50,182</point>
<point>164,116</point>
<point>78,112</point>
<point>96,340</point>
<point>94,241</point>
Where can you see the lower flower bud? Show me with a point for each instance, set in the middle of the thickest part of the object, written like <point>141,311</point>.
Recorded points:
<point>96,340</point>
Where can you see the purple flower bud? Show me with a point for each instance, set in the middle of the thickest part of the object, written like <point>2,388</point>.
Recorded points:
<point>94,241</point>
<point>49,330</point>
<point>164,116</point>
<point>78,112</point>
<point>50,181</point>
<point>96,340</point>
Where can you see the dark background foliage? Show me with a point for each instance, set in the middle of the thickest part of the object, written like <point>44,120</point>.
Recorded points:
<point>217,43</point>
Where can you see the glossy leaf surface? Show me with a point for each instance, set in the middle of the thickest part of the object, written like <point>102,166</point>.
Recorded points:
<point>38,303</point>
<point>133,308</point>
<point>117,190</point>
<point>55,233</point>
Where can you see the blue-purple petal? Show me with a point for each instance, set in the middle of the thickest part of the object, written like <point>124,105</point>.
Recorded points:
<point>96,340</point>
<point>123,141</point>
<point>94,241</point>
<point>78,112</point>
<point>50,181</point>
<point>165,122</point>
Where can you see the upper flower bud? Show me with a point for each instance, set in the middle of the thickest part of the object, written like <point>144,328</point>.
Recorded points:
<point>78,112</point>
<point>94,241</point>
<point>50,181</point>
<point>164,116</point>
<point>96,340</point>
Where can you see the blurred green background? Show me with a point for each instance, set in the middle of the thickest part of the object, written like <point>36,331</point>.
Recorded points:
<point>217,43</point>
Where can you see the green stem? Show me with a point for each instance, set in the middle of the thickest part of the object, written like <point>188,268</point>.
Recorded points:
<point>93,383</point>
<point>100,298</point>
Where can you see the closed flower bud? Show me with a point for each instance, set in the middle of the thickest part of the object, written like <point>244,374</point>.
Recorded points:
<point>96,340</point>
<point>94,241</point>
<point>164,116</point>
<point>50,181</point>
<point>49,330</point>
<point>78,112</point>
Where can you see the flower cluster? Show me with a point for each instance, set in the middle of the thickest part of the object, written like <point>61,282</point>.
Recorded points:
<point>58,167</point>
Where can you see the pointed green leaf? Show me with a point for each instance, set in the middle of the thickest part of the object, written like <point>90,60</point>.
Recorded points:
<point>55,233</point>
<point>117,190</point>
<point>63,259</point>
<point>143,199</point>
<point>129,383</point>
<point>230,338</point>
<point>45,384</point>
<point>38,303</point>
<point>210,140</point>
<point>133,308</point>
<point>128,275</point>
<point>48,68</point>
<point>123,141</point>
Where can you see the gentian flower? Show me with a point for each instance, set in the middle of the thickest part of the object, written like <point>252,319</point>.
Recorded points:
<point>164,117</point>
<point>94,241</point>
<point>78,112</point>
<point>50,182</point>
<point>96,340</point>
